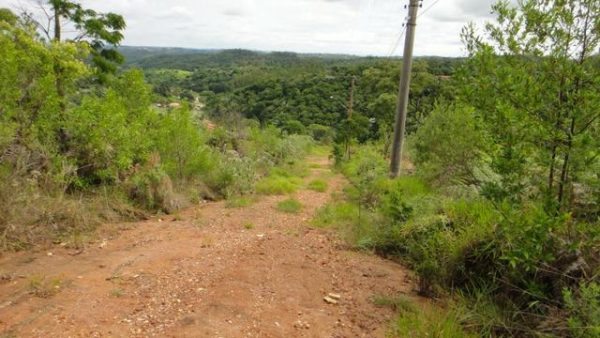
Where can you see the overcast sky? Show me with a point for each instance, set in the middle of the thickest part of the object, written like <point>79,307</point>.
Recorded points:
<point>362,27</point>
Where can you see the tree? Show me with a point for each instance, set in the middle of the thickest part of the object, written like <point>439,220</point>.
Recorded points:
<point>533,81</point>
<point>100,31</point>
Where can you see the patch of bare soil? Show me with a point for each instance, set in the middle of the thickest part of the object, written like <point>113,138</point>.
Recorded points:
<point>204,274</point>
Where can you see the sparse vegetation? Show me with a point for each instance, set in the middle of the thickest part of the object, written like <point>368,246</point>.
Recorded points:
<point>117,293</point>
<point>318,185</point>
<point>45,287</point>
<point>290,206</point>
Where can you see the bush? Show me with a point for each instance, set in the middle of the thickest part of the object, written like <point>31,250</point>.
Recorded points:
<point>449,145</point>
<point>321,134</point>
<point>152,189</point>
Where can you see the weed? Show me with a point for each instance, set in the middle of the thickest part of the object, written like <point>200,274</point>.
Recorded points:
<point>207,242</point>
<point>336,215</point>
<point>290,206</point>
<point>117,293</point>
<point>42,287</point>
<point>318,185</point>
<point>397,303</point>
<point>434,322</point>
<point>249,225</point>
<point>239,202</point>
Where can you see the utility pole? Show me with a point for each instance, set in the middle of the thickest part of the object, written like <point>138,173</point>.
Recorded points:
<point>350,111</point>
<point>402,104</point>
<point>351,100</point>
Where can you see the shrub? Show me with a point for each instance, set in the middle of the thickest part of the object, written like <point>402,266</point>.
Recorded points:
<point>232,176</point>
<point>152,189</point>
<point>449,145</point>
<point>321,134</point>
<point>294,127</point>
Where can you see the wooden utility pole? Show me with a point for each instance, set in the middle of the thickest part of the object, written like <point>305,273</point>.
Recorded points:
<point>351,100</point>
<point>402,104</point>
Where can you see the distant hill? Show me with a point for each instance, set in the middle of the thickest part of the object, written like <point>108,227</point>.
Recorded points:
<point>190,59</point>
<point>134,54</point>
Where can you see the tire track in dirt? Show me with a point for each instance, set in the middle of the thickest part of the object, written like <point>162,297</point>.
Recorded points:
<point>202,274</point>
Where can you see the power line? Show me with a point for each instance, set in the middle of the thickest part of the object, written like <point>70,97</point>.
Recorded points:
<point>397,43</point>
<point>428,8</point>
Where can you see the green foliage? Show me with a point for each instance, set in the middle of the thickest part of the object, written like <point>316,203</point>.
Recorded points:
<point>294,127</point>
<point>583,310</point>
<point>533,83</point>
<point>337,215</point>
<point>435,322</point>
<point>449,146</point>
<point>320,133</point>
<point>290,206</point>
<point>182,146</point>
<point>96,29</point>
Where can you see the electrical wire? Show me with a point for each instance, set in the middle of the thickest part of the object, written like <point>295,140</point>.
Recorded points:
<point>428,8</point>
<point>397,43</point>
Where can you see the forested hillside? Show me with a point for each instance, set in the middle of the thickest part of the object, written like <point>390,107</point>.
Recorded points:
<point>497,210</point>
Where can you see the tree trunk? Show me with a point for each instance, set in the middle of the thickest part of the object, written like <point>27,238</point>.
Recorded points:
<point>564,176</point>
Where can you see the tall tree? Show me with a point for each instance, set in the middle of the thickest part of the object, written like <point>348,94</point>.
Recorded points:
<point>102,32</point>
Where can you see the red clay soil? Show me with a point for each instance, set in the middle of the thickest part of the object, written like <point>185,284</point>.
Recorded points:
<point>203,274</point>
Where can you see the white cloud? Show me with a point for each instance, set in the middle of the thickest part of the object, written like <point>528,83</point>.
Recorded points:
<point>363,27</point>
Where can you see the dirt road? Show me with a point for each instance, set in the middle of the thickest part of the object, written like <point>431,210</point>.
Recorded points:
<point>204,273</point>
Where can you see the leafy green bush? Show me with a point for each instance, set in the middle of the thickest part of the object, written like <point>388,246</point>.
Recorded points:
<point>449,146</point>
<point>182,146</point>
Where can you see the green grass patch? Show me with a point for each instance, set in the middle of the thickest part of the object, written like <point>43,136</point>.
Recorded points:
<point>318,185</point>
<point>336,215</point>
<point>321,150</point>
<point>290,206</point>
<point>396,303</point>
<point>278,185</point>
<point>240,202</point>
<point>433,322</point>
<point>291,169</point>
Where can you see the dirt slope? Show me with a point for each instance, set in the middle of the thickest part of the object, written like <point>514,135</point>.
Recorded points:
<point>203,274</point>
